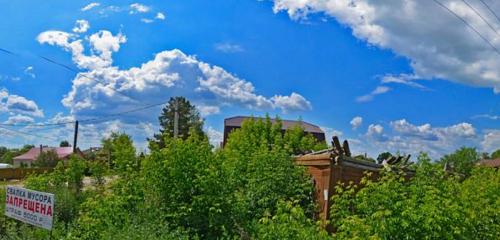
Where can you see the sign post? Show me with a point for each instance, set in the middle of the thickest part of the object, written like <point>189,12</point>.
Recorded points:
<point>29,206</point>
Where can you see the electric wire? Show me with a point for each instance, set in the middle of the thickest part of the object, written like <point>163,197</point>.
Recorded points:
<point>69,68</point>
<point>89,120</point>
<point>84,75</point>
<point>468,25</point>
<point>6,51</point>
<point>28,134</point>
<point>491,10</point>
<point>480,16</point>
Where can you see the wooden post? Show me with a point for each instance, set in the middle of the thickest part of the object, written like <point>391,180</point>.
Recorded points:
<point>75,138</point>
<point>347,150</point>
<point>336,146</point>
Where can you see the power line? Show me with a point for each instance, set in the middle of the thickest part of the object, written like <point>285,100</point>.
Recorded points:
<point>57,63</point>
<point>122,113</point>
<point>491,10</point>
<point>468,25</point>
<point>47,128</point>
<point>6,51</point>
<point>35,124</point>
<point>28,134</point>
<point>89,120</point>
<point>482,18</point>
<point>83,75</point>
<point>69,68</point>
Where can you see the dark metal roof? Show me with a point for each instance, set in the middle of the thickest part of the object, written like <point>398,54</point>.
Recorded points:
<point>285,124</point>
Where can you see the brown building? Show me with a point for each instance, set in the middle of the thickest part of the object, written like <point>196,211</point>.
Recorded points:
<point>331,167</point>
<point>235,122</point>
<point>494,163</point>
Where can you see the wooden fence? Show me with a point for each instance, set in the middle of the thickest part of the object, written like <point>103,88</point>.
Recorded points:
<point>20,173</point>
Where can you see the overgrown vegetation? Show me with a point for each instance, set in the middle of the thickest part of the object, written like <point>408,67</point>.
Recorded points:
<point>183,189</point>
<point>433,205</point>
<point>251,189</point>
<point>47,159</point>
<point>7,155</point>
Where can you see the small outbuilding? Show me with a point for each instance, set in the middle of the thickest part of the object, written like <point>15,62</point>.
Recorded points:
<point>334,166</point>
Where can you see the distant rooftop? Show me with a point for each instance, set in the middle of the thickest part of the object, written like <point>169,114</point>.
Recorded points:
<point>33,153</point>
<point>285,124</point>
<point>490,163</point>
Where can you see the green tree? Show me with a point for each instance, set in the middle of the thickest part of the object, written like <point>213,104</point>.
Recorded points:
<point>121,152</point>
<point>47,159</point>
<point>8,156</point>
<point>495,154</point>
<point>261,172</point>
<point>189,120</point>
<point>190,186</point>
<point>64,143</point>
<point>25,149</point>
<point>3,150</point>
<point>383,156</point>
<point>298,142</point>
<point>461,161</point>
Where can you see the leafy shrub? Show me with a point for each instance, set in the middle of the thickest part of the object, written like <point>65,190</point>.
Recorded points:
<point>432,205</point>
<point>187,183</point>
<point>289,222</point>
<point>47,159</point>
<point>261,172</point>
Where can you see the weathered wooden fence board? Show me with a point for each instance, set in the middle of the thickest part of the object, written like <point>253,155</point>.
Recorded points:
<point>20,173</point>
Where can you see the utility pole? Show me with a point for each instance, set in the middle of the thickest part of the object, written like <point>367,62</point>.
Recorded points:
<point>75,138</point>
<point>176,119</point>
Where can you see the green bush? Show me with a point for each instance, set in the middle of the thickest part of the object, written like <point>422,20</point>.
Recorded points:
<point>432,205</point>
<point>289,222</point>
<point>261,173</point>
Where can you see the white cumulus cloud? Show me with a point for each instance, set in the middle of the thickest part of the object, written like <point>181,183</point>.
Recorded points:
<point>375,129</point>
<point>102,88</point>
<point>160,16</point>
<point>30,71</point>
<point>491,140</point>
<point>356,122</point>
<point>406,137</point>
<point>90,6</point>
<point>293,102</point>
<point>147,20</point>
<point>330,132</point>
<point>19,119</point>
<point>370,96</point>
<point>81,26</point>
<point>437,43</point>
<point>138,8</point>
<point>215,137</point>
<point>228,47</point>
<point>208,110</point>
<point>12,103</point>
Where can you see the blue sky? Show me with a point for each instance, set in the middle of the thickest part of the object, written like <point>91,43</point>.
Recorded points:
<point>397,76</point>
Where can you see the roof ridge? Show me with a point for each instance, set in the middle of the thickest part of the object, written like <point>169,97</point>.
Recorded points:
<point>281,119</point>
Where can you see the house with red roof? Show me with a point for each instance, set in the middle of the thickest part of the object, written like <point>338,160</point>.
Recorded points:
<point>31,156</point>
